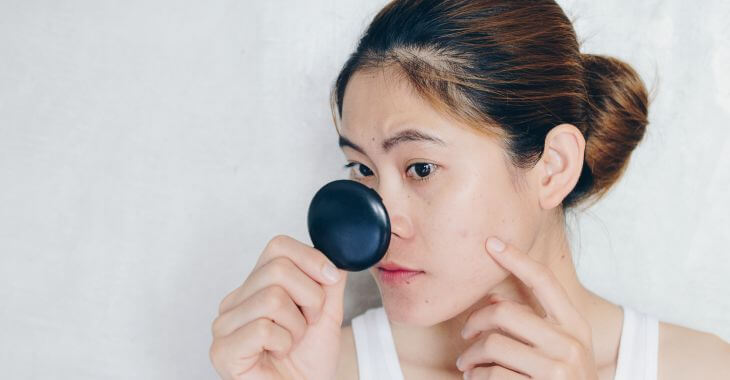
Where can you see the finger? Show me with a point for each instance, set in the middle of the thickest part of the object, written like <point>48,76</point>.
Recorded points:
<point>517,320</point>
<point>493,373</point>
<point>504,351</point>
<point>273,303</point>
<point>520,322</point>
<point>540,279</point>
<point>333,307</point>
<point>309,259</point>
<point>243,347</point>
<point>281,271</point>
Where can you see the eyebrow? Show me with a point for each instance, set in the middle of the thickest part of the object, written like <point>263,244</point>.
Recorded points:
<point>400,137</point>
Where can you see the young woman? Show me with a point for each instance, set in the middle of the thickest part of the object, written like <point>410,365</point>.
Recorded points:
<point>479,123</point>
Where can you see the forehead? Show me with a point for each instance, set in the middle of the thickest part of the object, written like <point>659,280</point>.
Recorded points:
<point>379,103</point>
<point>381,100</point>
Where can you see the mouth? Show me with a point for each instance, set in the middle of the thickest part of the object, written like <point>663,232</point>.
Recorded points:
<point>395,274</point>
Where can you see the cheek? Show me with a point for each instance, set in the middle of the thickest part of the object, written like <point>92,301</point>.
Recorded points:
<point>457,222</point>
<point>460,220</point>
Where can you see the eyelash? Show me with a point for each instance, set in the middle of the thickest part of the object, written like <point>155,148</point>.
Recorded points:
<point>419,179</point>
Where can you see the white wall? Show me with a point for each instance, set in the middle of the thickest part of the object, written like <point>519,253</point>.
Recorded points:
<point>149,150</point>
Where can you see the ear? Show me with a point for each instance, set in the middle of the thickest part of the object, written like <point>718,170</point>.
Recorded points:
<point>559,168</point>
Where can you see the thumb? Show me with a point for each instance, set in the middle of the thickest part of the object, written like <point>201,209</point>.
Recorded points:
<point>334,295</point>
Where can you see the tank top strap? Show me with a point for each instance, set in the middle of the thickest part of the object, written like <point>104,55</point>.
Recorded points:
<point>638,347</point>
<point>377,358</point>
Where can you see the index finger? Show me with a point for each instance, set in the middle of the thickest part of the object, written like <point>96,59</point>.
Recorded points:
<point>309,259</point>
<point>539,278</point>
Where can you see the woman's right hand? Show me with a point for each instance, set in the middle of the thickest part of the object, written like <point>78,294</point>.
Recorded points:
<point>284,321</point>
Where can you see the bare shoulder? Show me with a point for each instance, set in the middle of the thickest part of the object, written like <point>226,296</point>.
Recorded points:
<point>347,361</point>
<point>685,353</point>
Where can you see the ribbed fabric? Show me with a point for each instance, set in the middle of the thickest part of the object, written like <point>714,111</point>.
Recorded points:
<point>377,358</point>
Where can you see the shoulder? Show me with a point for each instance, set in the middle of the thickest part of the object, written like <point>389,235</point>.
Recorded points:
<point>690,354</point>
<point>347,361</point>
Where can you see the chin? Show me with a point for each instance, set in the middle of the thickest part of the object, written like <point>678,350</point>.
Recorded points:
<point>417,309</point>
<point>411,314</point>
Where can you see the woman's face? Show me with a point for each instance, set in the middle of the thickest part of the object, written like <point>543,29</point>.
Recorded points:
<point>443,199</point>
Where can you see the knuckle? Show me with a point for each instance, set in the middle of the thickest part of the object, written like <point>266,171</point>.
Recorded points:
<point>215,326</point>
<point>263,328</point>
<point>559,371</point>
<point>276,243</point>
<point>574,354</point>
<point>502,311</point>
<point>274,298</point>
<point>223,305</point>
<point>490,344</point>
<point>216,353</point>
<point>278,269</point>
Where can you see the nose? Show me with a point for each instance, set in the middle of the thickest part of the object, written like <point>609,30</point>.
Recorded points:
<point>396,204</point>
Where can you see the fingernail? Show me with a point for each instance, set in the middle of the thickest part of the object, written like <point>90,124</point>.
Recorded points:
<point>495,245</point>
<point>329,271</point>
<point>458,363</point>
<point>463,333</point>
<point>467,375</point>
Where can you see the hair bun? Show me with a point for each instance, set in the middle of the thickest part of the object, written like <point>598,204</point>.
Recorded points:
<point>616,115</point>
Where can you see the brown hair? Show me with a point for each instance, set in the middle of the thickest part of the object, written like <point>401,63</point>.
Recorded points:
<point>512,69</point>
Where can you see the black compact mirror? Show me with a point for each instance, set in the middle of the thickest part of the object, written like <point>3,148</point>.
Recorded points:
<point>348,222</point>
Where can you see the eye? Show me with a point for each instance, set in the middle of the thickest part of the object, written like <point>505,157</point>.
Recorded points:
<point>423,170</point>
<point>361,169</point>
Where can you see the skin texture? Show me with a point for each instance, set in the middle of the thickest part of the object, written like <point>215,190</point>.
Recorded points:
<point>440,226</point>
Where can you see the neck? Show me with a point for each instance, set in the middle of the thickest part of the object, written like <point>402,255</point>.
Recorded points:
<point>438,346</point>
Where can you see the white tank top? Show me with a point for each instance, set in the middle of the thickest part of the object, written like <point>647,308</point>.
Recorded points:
<point>378,360</point>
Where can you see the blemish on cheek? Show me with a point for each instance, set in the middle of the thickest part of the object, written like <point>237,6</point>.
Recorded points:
<point>426,300</point>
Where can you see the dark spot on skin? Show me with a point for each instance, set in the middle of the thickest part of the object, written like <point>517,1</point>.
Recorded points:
<point>426,301</point>
<point>408,282</point>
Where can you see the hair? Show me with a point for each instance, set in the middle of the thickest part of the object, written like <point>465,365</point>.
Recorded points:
<point>512,69</point>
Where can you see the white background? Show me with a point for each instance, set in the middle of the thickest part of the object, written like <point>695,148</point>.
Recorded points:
<point>149,150</point>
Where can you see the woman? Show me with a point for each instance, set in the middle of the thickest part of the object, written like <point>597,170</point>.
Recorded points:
<point>479,123</point>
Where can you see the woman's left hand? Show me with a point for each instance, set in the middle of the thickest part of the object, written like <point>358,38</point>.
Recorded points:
<point>557,346</point>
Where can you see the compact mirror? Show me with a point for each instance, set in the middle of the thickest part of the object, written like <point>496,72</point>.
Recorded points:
<point>348,222</point>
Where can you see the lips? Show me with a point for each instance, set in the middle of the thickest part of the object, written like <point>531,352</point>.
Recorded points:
<point>393,274</point>
<point>392,267</point>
